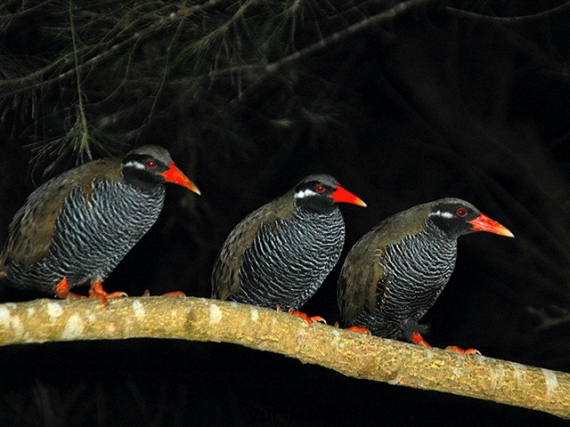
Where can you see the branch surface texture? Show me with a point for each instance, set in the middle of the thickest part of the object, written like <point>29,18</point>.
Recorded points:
<point>352,354</point>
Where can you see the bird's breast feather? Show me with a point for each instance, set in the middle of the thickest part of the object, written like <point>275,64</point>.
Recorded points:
<point>33,227</point>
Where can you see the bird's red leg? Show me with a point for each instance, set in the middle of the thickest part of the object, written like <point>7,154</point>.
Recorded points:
<point>96,291</point>
<point>302,315</point>
<point>309,320</point>
<point>62,291</point>
<point>360,329</point>
<point>419,340</point>
<point>461,351</point>
<point>177,294</point>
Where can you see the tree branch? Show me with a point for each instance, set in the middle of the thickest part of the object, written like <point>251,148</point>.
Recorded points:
<point>352,354</point>
<point>508,19</point>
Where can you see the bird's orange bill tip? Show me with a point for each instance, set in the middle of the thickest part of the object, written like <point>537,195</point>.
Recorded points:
<point>176,176</point>
<point>484,223</point>
<point>344,196</point>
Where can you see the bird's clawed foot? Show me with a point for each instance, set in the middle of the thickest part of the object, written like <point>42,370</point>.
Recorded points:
<point>95,291</point>
<point>467,352</point>
<point>419,340</point>
<point>308,319</point>
<point>176,294</point>
<point>302,315</point>
<point>360,329</point>
<point>62,291</point>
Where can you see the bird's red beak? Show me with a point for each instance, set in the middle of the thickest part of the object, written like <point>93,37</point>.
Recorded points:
<point>343,196</point>
<point>176,176</point>
<point>484,223</point>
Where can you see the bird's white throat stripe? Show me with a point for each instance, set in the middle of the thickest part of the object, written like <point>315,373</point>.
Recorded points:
<point>442,214</point>
<point>136,165</point>
<point>304,193</point>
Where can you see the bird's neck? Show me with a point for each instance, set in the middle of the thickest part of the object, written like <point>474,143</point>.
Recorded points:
<point>315,207</point>
<point>322,211</point>
<point>436,236</point>
<point>139,181</point>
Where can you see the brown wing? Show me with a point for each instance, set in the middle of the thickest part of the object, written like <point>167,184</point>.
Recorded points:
<point>363,278</point>
<point>225,275</point>
<point>32,229</point>
<point>360,276</point>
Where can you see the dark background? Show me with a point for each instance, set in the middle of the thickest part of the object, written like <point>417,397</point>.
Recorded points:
<point>463,99</point>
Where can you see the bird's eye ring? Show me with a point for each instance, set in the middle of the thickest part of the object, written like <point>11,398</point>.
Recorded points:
<point>151,164</point>
<point>320,188</point>
<point>461,212</point>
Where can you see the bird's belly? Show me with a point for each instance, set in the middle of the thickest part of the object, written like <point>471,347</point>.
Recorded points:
<point>415,278</point>
<point>287,267</point>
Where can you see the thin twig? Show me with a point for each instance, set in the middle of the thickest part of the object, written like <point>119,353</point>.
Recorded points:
<point>84,133</point>
<point>508,19</point>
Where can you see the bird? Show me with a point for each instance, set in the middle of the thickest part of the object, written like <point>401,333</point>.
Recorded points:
<point>280,254</point>
<point>393,275</point>
<point>76,227</point>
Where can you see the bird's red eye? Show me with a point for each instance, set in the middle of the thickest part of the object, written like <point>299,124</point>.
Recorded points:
<point>151,164</point>
<point>320,188</point>
<point>461,212</point>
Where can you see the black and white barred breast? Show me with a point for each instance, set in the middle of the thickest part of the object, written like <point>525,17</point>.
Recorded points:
<point>289,259</point>
<point>417,270</point>
<point>95,229</point>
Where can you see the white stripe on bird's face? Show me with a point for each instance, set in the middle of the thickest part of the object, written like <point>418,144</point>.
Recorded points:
<point>305,193</point>
<point>135,164</point>
<point>443,214</point>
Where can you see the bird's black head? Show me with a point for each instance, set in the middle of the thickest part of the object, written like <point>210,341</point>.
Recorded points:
<point>320,193</point>
<point>457,217</point>
<point>151,165</point>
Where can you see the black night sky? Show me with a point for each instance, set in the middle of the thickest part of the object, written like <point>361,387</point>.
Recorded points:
<point>437,102</point>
